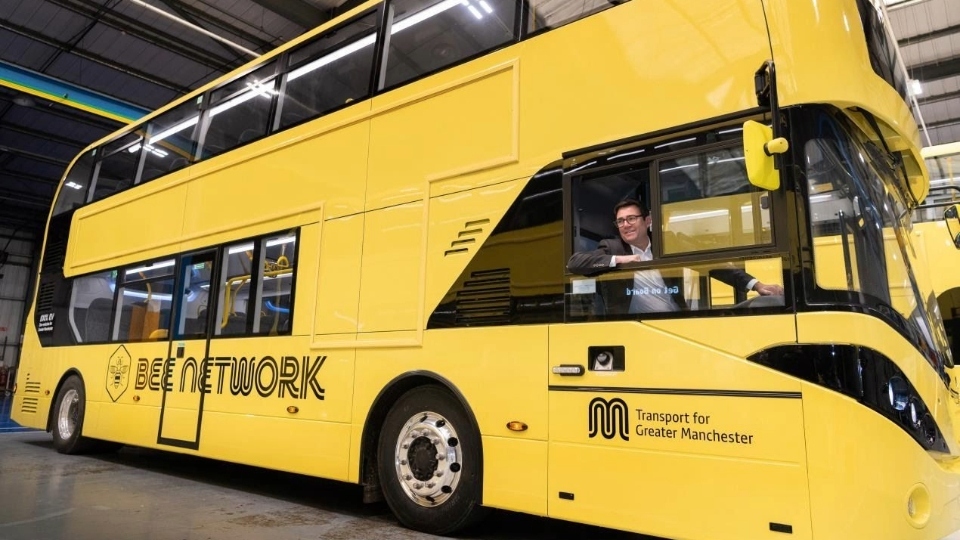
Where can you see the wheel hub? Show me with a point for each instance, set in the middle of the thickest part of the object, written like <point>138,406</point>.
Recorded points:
<point>68,414</point>
<point>428,459</point>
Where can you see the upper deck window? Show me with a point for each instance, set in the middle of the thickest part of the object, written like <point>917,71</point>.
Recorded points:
<point>330,72</point>
<point>549,14</point>
<point>884,57</point>
<point>427,35</point>
<point>171,142</point>
<point>74,189</point>
<point>118,165</point>
<point>240,111</point>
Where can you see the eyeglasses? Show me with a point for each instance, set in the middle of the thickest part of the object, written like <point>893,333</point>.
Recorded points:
<point>620,222</point>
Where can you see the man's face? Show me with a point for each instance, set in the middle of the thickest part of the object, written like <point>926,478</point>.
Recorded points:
<point>630,232</point>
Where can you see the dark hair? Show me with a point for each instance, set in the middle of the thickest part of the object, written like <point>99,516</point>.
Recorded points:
<point>644,212</point>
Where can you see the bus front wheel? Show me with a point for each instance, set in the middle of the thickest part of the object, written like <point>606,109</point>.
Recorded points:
<point>429,462</point>
<point>68,411</point>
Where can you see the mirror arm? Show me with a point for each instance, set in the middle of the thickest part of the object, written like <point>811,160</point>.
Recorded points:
<point>765,85</point>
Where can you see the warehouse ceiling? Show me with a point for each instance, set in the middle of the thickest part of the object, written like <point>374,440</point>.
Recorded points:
<point>139,60</point>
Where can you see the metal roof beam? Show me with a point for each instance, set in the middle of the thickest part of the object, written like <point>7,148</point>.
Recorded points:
<point>32,155</point>
<point>74,115</point>
<point>69,94</point>
<point>938,69</point>
<point>298,12</point>
<point>131,26</point>
<point>144,76</point>
<point>194,15</point>
<point>936,98</point>
<point>43,135</point>
<point>927,36</point>
<point>29,178</point>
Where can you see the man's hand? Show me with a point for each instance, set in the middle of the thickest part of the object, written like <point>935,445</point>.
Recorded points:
<point>768,290</point>
<point>624,259</point>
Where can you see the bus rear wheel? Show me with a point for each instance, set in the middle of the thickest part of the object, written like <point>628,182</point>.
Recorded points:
<point>429,462</point>
<point>68,413</point>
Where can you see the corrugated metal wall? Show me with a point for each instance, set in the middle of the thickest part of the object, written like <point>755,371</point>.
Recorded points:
<point>15,285</point>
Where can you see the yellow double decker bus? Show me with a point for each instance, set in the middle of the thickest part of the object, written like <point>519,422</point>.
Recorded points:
<point>349,259</point>
<point>936,239</point>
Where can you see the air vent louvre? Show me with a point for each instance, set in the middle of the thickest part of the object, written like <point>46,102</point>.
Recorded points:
<point>468,235</point>
<point>29,405</point>
<point>54,255</point>
<point>45,297</point>
<point>484,298</point>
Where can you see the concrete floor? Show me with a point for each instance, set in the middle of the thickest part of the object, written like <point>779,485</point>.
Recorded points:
<point>139,494</point>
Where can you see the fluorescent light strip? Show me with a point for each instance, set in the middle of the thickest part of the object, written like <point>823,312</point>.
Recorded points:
<point>824,198</point>
<point>424,15</point>
<point>240,249</point>
<point>475,11</point>
<point>73,185</point>
<point>279,241</point>
<point>262,89</point>
<point>332,57</point>
<point>161,264</point>
<point>671,143</point>
<point>175,129</point>
<point>668,169</point>
<point>698,215</point>
<point>154,296</point>
<point>270,243</point>
<point>640,151</point>
<point>486,7</point>
<point>242,98</point>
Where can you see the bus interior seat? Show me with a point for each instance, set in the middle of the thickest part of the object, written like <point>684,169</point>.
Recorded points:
<point>236,324</point>
<point>177,163</point>
<point>248,135</point>
<point>80,319</point>
<point>96,326</point>
<point>151,173</point>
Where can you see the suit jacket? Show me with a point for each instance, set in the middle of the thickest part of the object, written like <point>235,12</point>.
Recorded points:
<point>592,263</point>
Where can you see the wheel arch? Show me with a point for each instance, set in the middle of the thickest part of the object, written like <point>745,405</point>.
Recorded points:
<point>53,402</point>
<point>388,395</point>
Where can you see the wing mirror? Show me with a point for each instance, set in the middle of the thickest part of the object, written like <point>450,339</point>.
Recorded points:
<point>759,147</point>
<point>952,217</point>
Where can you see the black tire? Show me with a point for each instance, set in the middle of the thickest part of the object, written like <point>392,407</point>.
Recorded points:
<point>425,423</point>
<point>66,421</point>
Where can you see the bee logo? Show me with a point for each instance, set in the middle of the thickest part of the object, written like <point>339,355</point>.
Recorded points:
<point>118,373</point>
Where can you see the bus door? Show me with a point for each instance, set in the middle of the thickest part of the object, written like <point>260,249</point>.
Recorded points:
<point>186,372</point>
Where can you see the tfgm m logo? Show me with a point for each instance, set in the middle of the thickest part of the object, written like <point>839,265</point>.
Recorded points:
<point>608,418</point>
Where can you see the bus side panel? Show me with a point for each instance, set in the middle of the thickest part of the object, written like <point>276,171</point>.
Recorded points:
<point>123,384</point>
<point>800,32</point>
<point>391,277</point>
<point>225,204</point>
<point>338,281</point>
<point>453,124</point>
<point>126,228</point>
<point>499,373</point>
<point>632,70</point>
<point>37,378</point>
<point>821,328</point>
<point>853,451</point>
<point>275,403</point>
<point>942,259</point>
<point>459,225</point>
<point>674,429</point>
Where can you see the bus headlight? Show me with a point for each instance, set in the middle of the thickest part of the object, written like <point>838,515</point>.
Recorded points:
<point>864,375</point>
<point>898,393</point>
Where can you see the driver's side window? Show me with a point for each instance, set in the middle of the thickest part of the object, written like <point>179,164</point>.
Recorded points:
<point>707,203</point>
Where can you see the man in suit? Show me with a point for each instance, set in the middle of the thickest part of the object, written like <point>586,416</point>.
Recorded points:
<point>649,292</point>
